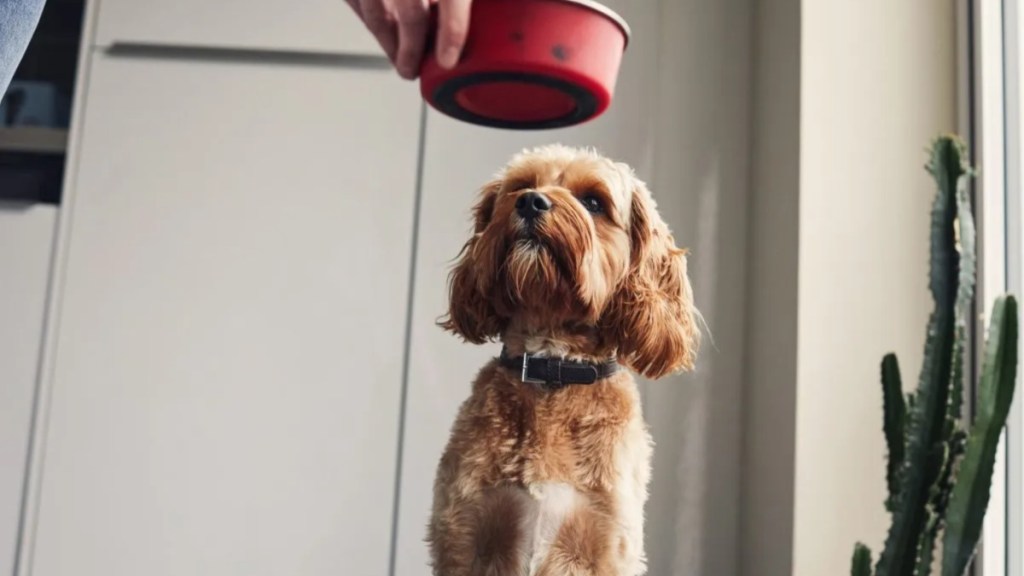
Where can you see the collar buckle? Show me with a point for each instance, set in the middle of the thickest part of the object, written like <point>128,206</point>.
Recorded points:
<point>553,367</point>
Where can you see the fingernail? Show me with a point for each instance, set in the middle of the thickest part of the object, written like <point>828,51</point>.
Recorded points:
<point>449,57</point>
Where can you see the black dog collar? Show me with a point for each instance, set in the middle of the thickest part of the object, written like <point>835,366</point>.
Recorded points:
<point>555,373</point>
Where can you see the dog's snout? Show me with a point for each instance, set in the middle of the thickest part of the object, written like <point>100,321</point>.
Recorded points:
<point>532,204</point>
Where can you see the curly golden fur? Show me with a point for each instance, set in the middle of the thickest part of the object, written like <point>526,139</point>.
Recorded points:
<point>553,483</point>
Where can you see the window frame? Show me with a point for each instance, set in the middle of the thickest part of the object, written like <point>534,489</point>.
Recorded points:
<point>991,36</point>
<point>1012,490</point>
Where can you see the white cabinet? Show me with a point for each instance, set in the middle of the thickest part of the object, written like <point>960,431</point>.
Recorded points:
<point>285,25</point>
<point>228,370</point>
<point>26,242</point>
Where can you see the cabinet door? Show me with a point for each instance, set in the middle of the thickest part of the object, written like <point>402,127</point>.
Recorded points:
<point>26,241</point>
<point>228,370</point>
<point>309,25</point>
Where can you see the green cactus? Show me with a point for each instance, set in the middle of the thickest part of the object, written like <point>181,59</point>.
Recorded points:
<point>861,563</point>
<point>895,418</point>
<point>912,505</point>
<point>970,494</point>
<point>937,475</point>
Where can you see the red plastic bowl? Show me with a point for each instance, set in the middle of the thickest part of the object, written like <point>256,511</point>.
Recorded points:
<point>531,64</point>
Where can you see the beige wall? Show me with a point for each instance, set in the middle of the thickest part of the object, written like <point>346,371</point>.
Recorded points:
<point>878,81</point>
<point>846,98</point>
<point>700,176</point>
<point>769,386</point>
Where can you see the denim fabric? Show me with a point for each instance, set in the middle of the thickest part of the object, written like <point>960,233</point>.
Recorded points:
<point>18,20</point>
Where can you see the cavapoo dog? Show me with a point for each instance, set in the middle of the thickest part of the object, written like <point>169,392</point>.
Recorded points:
<point>546,471</point>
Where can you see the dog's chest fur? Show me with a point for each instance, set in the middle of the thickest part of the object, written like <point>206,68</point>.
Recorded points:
<point>532,479</point>
<point>532,436</point>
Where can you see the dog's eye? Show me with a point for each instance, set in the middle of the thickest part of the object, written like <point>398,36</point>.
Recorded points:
<point>592,203</point>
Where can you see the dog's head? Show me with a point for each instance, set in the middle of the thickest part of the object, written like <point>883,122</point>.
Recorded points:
<point>564,237</point>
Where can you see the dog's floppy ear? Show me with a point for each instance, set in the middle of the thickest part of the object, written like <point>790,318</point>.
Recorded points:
<point>470,313</point>
<point>652,317</point>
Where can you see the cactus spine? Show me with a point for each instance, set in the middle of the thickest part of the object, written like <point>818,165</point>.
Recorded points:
<point>938,477</point>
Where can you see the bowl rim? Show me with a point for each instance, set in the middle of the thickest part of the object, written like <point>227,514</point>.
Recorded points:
<point>607,12</point>
<point>589,104</point>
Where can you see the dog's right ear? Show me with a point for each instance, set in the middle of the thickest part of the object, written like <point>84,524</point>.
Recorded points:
<point>470,312</point>
<point>652,318</point>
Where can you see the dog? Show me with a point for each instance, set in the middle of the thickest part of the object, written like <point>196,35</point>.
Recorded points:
<point>572,268</point>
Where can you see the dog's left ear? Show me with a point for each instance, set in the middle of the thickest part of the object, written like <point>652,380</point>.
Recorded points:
<point>652,317</point>
<point>470,312</point>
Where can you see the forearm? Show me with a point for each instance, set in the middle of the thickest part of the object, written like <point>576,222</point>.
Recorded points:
<point>18,20</point>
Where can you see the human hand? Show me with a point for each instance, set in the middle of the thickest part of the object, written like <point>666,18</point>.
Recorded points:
<point>401,28</point>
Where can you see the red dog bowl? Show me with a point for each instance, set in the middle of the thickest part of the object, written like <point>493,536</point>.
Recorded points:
<point>531,64</point>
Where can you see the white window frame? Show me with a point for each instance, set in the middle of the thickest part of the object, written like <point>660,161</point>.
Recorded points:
<point>1013,489</point>
<point>991,40</point>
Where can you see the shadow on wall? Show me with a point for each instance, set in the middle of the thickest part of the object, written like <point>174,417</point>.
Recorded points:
<point>700,179</point>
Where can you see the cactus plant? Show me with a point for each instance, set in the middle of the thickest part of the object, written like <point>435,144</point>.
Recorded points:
<point>861,561</point>
<point>938,475</point>
<point>895,410</point>
<point>971,492</point>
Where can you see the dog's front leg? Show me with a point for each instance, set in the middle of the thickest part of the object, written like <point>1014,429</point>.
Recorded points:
<point>484,535</point>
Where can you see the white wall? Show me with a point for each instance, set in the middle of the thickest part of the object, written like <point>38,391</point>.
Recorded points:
<point>878,83</point>
<point>769,408</point>
<point>847,97</point>
<point>700,180</point>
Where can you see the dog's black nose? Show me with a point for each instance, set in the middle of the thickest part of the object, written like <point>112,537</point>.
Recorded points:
<point>530,205</point>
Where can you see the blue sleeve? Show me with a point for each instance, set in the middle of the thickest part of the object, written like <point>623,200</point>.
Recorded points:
<point>18,20</point>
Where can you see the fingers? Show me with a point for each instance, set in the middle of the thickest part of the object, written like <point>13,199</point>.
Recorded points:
<point>402,30</point>
<point>413,19</point>
<point>375,17</point>
<point>453,25</point>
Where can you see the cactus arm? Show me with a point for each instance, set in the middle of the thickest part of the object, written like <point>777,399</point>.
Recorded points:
<point>971,493</point>
<point>953,447</point>
<point>939,464</point>
<point>861,563</point>
<point>926,546</point>
<point>895,416</point>
<point>965,239</point>
<point>928,417</point>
